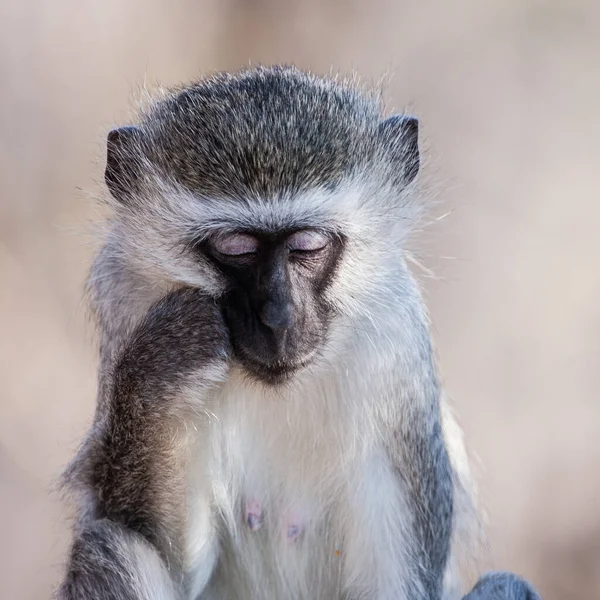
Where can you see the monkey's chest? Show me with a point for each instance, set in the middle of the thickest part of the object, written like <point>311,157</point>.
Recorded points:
<point>278,537</point>
<point>273,479</point>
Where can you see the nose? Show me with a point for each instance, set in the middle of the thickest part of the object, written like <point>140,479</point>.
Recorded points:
<point>276,304</point>
<point>276,314</point>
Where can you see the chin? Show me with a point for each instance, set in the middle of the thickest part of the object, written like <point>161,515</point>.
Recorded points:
<point>276,372</point>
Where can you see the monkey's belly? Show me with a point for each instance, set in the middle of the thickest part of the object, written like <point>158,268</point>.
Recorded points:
<point>273,505</point>
<point>276,543</point>
<point>276,556</point>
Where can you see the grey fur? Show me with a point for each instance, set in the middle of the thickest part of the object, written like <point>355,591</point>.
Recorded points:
<point>262,133</point>
<point>268,150</point>
<point>127,473</point>
<point>500,586</point>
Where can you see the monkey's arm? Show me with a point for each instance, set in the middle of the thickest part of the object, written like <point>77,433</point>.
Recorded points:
<point>425,464</point>
<point>422,463</point>
<point>426,472</point>
<point>131,472</point>
<point>396,516</point>
<point>419,458</point>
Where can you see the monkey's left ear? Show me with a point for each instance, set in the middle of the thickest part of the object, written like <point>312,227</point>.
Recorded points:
<point>400,136</point>
<point>122,161</point>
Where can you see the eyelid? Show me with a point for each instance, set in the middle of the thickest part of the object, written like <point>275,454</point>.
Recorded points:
<point>235,244</point>
<point>307,241</point>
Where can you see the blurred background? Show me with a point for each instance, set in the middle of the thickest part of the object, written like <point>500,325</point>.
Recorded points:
<point>508,93</point>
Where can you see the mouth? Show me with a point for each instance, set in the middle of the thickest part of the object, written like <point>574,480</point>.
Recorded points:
<point>274,372</point>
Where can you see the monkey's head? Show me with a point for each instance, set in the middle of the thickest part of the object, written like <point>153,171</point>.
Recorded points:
<point>284,195</point>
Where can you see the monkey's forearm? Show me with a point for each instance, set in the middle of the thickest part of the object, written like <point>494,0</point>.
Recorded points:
<point>128,543</point>
<point>132,468</point>
<point>133,531</point>
<point>140,448</point>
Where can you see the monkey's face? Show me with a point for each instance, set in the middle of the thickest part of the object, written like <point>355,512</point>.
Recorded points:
<point>251,187</point>
<point>275,304</point>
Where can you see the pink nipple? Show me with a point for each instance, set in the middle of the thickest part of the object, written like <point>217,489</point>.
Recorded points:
<point>253,514</point>
<point>295,527</point>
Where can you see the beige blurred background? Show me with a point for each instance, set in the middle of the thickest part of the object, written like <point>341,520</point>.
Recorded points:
<point>508,93</point>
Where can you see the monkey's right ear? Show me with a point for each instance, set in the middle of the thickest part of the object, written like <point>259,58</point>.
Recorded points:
<point>400,136</point>
<point>122,161</point>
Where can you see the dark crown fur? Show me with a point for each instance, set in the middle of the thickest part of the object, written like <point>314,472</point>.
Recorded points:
<point>263,132</point>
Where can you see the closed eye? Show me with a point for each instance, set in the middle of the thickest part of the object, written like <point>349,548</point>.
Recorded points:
<point>235,244</point>
<point>307,241</point>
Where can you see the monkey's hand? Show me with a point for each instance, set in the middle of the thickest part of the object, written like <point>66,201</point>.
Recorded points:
<point>183,336</point>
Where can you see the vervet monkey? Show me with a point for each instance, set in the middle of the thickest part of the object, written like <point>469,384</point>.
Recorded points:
<point>270,422</point>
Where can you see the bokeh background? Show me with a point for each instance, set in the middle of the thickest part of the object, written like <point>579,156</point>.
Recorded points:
<point>508,93</point>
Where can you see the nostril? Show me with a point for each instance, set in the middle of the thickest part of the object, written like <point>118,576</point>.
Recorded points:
<point>276,315</point>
